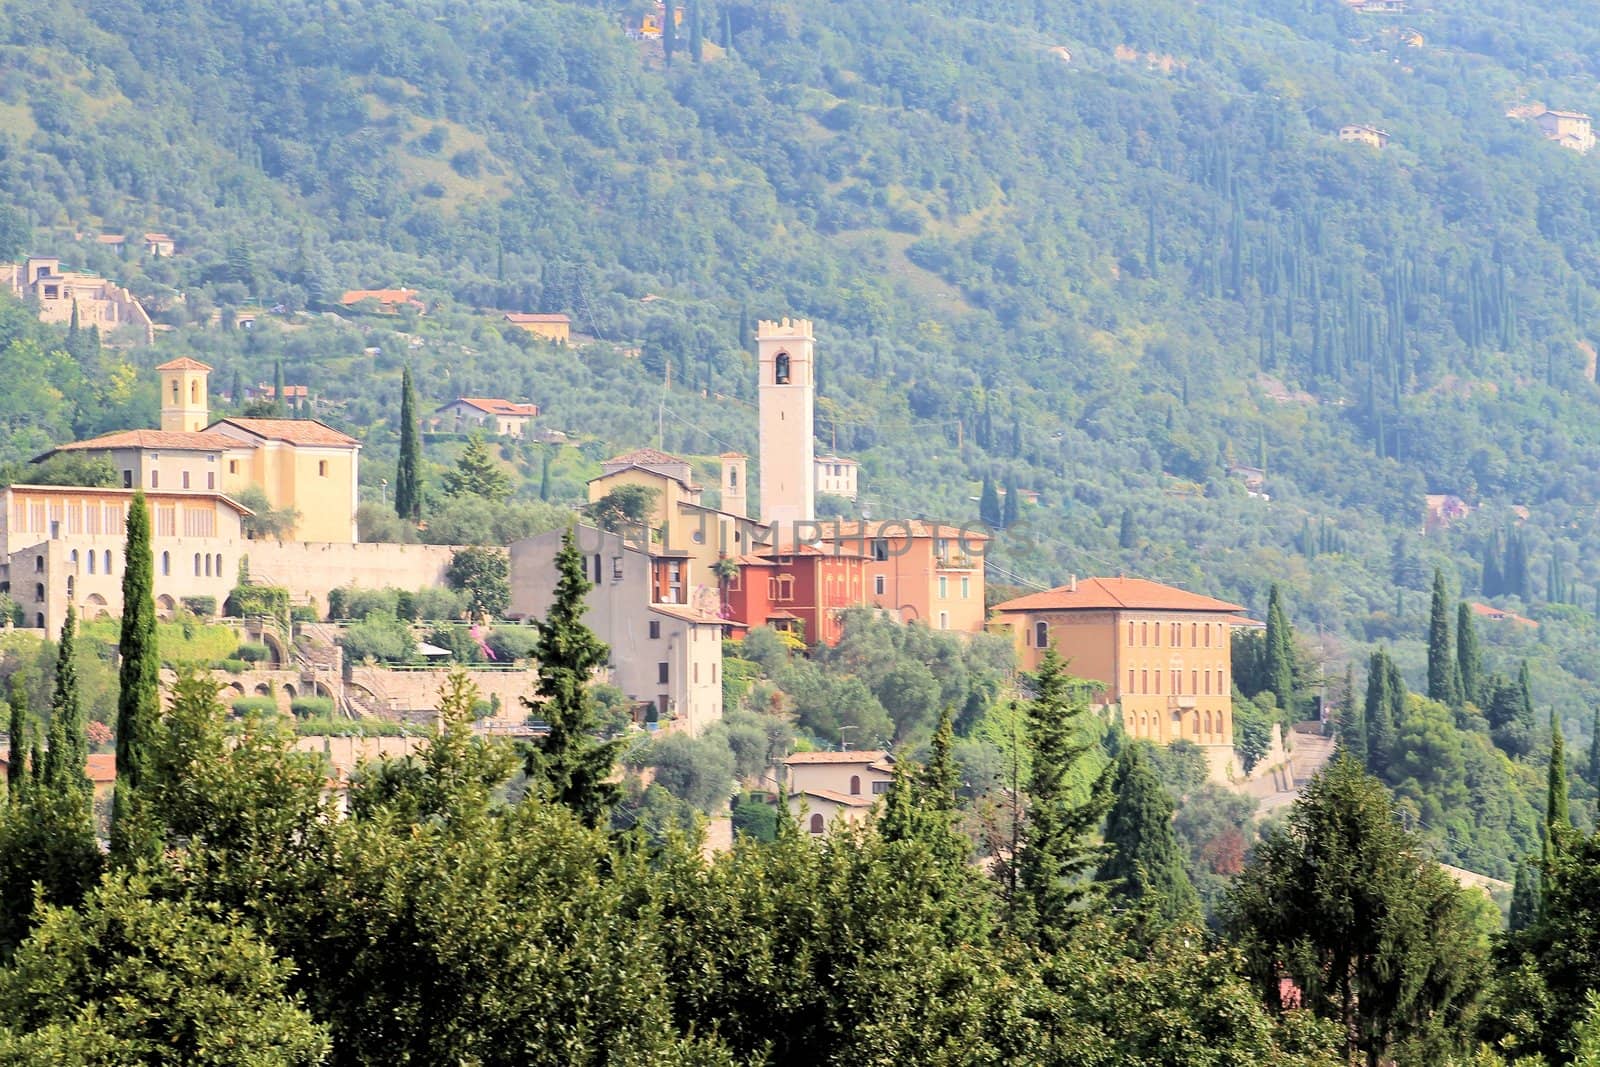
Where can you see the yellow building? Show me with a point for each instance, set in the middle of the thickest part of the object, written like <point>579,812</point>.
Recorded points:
<point>557,328</point>
<point>299,464</point>
<point>1162,654</point>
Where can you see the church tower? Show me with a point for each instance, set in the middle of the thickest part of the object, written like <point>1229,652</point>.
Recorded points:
<point>735,484</point>
<point>788,399</point>
<point>183,395</point>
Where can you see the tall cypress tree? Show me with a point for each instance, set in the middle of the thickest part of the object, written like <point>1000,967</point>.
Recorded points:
<point>669,33</point>
<point>692,14</point>
<point>1555,805</point>
<point>1056,852</point>
<point>570,765</point>
<point>1380,724</point>
<point>17,735</point>
<point>1280,653</point>
<point>407,473</point>
<point>1145,869</point>
<point>138,697</point>
<point>1352,720</point>
<point>1011,507</point>
<point>1524,898</point>
<point>279,404</point>
<point>989,504</point>
<point>1127,535</point>
<point>1594,753</point>
<point>1443,681</point>
<point>68,753</point>
<point>1469,655</point>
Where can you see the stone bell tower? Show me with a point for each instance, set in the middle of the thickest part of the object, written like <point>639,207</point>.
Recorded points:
<point>784,361</point>
<point>735,484</point>
<point>184,407</point>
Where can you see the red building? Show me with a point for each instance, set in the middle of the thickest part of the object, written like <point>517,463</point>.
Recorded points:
<point>799,589</point>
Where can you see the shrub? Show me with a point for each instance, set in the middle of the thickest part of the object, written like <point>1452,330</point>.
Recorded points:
<point>312,707</point>
<point>755,818</point>
<point>253,652</point>
<point>303,613</point>
<point>365,603</point>
<point>336,605</point>
<point>437,602</point>
<point>349,728</point>
<point>232,666</point>
<point>254,706</point>
<point>203,606</point>
<point>385,639</point>
<point>247,600</point>
<point>513,642</point>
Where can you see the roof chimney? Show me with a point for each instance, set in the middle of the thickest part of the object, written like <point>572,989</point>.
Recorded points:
<point>1072,583</point>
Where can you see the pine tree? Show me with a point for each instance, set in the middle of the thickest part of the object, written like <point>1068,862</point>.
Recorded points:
<point>1594,753</point>
<point>236,395</point>
<point>477,474</point>
<point>570,765</point>
<point>1469,655</point>
<point>1127,536</point>
<point>1443,680</point>
<point>1145,870</point>
<point>544,474</point>
<point>407,474</point>
<point>669,33</point>
<point>138,697</point>
<point>692,15</point>
<point>989,504</point>
<point>65,759</point>
<point>1056,853</point>
<point>1524,898</point>
<point>1280,658</point>
<point>1352,720</point>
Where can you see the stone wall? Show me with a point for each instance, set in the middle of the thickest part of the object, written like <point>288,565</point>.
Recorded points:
<point>309,569</point>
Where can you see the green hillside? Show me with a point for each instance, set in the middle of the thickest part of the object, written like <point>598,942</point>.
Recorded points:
<point>1100,250</point>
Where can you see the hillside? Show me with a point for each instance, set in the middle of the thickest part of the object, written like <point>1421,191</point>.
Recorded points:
<point>1105,250</point>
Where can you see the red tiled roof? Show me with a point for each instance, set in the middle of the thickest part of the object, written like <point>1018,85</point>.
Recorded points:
<point>1130,593</point>
<point>184,363</point>
<point>382,296</point>
<point>101,766</point>
<point>860,800</point>
<point>865,755</point>
<point>687,614</point>
<point>176,440</point>
<point>643,457</point>
<point>733,455</point>
<point>496,406</point>
<point>292,431</point>
<point>522,316</point>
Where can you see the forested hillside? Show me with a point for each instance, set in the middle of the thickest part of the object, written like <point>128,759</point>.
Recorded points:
<point>1100,250</point>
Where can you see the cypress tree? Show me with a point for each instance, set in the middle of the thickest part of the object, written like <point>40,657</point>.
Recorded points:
<point>544,474</point>
<point>1493,583</point>
<point>692,13</point>
<point>1524,898</point>
<point>1127,536</point>
<point>1443,682</point>
<point>1011,507</point>
<point>1380,725</point>
<point>17,740</point>
<point>570,765</point>
<point>1056,853</point>
<point>68,753</point>
<point>407,473</point>
<point>1352,720</point>
<point>1145,869</point>
<point>1280,653</point>
<point>279,408</point>
<point>989,504</point>
<point>1594,753</point>
<point>669,33</point>
<point>1555,805</point>
<point>138,697</point>
<point>236,395</point>
<point>1469,655</point>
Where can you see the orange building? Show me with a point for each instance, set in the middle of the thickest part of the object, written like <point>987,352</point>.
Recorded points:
<point>1162,654</point>
<point>801,590</point>
<point>917,571</point>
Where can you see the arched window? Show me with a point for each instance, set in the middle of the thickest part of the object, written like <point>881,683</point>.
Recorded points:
<point>855,785</point>
<point>72,588</point>
<point>72,558</point>
<point>816,820</point>
<point>108,561</point>
<point>219,564</point>
<point>175,390</point>
<point>197,564</point>
<point>38,564</point>
<point>733,478</point>
<point>166,563</point>
<point>194,392</point>
<point>38,591</point>
<point>208,564</point>
<point>91,560</point>
<point>780,369</point>
<point>1041,634</point>
<point>38,620</point>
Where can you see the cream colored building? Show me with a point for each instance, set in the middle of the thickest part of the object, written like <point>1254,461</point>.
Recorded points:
<point>99,302</point>
<point>838,476</point>
<point>823,787</point>
<point>666,647</point>
<point>503,418</point>
<point>300,464</point>
<point>1367,135</point>
<point>65,544</point>
<point>785,360</point>
<point>557,328</point>
<point>1569,129</point>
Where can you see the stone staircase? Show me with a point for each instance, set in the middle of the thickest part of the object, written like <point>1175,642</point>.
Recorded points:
<point>1308,752</point>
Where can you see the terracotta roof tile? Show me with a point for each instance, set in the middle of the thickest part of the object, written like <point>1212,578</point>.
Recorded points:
<point>101,767</point>
<point>292,431</point>
<point>382,296</point>
<point>687,614</point>
<point>496,406</point>
<point>860,800</point>
<point>865,755</point>
<point>642,457</point>
<point>199,441</point>
<point>1093,594</point>
<point>184,363</point>
<point>522,316</point>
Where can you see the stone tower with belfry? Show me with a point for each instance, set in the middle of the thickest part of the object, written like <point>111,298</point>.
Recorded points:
<point>184,407</point>
<point>785,362</point>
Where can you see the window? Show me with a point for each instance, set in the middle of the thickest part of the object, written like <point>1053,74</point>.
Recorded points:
<point>1144,633</point>
<point>127,479</point>
<point>1041,636</point>
<point>655,629</point>
<point>71,587</point>
<point>944,587</point>
<point>91,559</point>
<point>733,478</point>
<point>855,785</point>
<point>1194,681</point>
<point>944,620</point>
<point>1130,634</point>
<point>197,564</point>
<point>166,563</point>
<point>108,561</point>
<point>879,788</point>
<point>880,550</point>
<point>1177,635</point>
<point>1130,679</point>
<point>817,824</point>
<point>697,672</point>
<point>661,673</point>
<point>322,468</point>
<point>780,369</point>
<point>616,568</point>
<point>1208,635</point>
<point>966,588</point>
<point>211,479</point>
<point>1144,680</point>
<point>38,591</point>
<point>38,564</point>
<point>1194,633</point>
<point>880,585</point>
<point>233,466</point>
<point>186,479</point>
<point>194,392</point>
<point>1177,682</point>
<point>208,564</point>
<point>596,569</point>
<point>155,479</point>
<point>1208,681</point>
<point>1158,683</point>
<point>174,390</point>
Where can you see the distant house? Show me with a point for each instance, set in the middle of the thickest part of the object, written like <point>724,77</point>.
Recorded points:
<point>504,418</point>
<point>159,244</point>
<point>557,328</point>
<point>58,293</point>
<point>99,767</point>
<point>114,241</point>
<point>1357,133</point>
<point>1569,129</point>
<point>389,301</point>
<point>291,393</point>
<point>1442,509</point>
<point>824,786</point>
<point>1494,614</point>
<point>837,476</point>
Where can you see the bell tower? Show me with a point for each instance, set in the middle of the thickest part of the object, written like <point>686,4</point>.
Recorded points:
<point>784,361</point>
<point>734,484</point>
<point>183,395</point>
